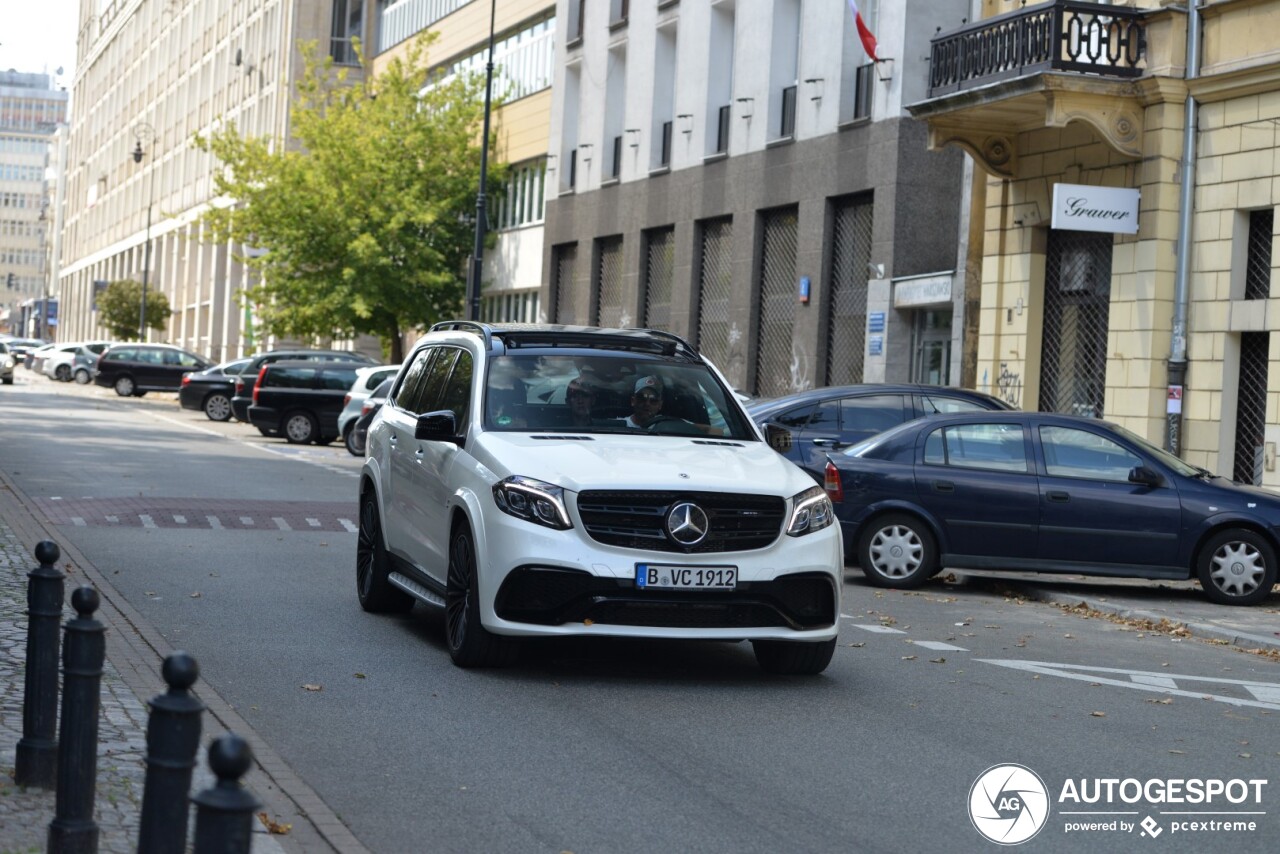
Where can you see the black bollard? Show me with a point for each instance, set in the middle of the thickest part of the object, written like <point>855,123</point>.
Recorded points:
<point>224,813</point>
<point>173,737</point>
<point>73,828</point>
<point>37,760</point>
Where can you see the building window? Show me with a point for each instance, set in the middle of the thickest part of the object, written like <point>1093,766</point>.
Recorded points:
<point>524,202</point>
<point>1257,271</point>
<point>523,63</point>
<point>564,260</point>
<point>659,273</point>
<point>847,303</point>
<point>615,105</point>
<point>510,306</point>
<point>715,287</point>
<point>1251,407</point>
<point>720,76</point>
<point>664,89</point>
<point>775,326</point>
<point>1077,301</point>
<point>610,302</point>
<point>784,68</point>
<point>348,23</point>
<point>404,18</point>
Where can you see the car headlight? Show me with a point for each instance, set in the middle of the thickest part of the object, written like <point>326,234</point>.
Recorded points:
<point>532,500</point>
<point>8,361</point>
<point>810,511</point>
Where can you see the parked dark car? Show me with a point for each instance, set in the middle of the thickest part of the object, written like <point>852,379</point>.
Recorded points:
<point>1040,492</point>
<point>359,432</point>
<point>211,390</point>
<point>135,369</point>
<point>244,383</point>
<point>301,399</point>
<point>806,426</point>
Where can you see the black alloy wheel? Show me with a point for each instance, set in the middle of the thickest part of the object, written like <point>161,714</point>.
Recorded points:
<point>470,644</point>
<point>377,595</point>
<point>62,373</point>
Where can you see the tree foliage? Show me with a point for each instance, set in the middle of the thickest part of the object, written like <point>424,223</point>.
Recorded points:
<point>120,305</point>
<point>361,229</point>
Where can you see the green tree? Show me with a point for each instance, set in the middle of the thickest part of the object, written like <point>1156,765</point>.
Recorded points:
<point>363,228</point>
<point>120,305</point>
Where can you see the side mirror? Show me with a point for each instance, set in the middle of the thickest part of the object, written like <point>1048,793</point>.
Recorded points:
<point>1145,476</point>
<point>437,427</point>
<point>779,438</point>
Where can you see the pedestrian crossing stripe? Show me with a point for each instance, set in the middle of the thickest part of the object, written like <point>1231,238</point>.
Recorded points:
<point>1266,695</point>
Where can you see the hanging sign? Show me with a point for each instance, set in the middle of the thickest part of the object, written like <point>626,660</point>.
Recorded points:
<point>1080,207</point>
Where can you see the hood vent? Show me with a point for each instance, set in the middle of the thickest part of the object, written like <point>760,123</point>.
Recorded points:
<point>713,442</point>
<point>565,438</point>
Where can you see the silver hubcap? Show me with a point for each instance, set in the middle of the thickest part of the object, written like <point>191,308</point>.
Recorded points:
<point>298,427</point>
<point>896,551</point>
<point>218,408</point>
<point>1237,568</point>
<point>124,386</point>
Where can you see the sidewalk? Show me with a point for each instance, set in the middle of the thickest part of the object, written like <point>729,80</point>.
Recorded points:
<point>131,676</point>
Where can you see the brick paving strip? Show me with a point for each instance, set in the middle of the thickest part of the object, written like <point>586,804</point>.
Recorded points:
<point>135,653</point>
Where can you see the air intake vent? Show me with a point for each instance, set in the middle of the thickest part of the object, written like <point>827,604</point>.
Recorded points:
<point>565,438</point>
<point>712,442</point>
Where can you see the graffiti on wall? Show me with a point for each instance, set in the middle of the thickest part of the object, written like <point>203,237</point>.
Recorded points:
<point>1009,386</point>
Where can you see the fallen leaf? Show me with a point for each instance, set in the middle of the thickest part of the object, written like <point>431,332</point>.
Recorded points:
<point>313,687</point>
<point>273,826</point>
<point>1098,714</point>
<point>937,661</point>
<point>991,627</point>
<point>587,622</point>
<point>196,595</point>
<point>908,658</point>
<point>359,675</point>
<point>1246,755</point>
<point>1067,635</point>
<point>1165,701</point>
<point>1179,752</point>
<point>857,645</point>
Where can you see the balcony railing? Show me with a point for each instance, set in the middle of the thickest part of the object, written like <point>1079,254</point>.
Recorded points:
<point>1063,35</point>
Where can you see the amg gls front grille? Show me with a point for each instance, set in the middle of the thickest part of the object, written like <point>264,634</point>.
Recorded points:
<point>637,519</point>
<point>548,596</point>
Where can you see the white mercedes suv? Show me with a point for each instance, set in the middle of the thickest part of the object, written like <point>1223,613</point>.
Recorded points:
<point>554,480</point>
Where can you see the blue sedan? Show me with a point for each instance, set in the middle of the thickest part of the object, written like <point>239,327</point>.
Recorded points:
<point>1040,492</point>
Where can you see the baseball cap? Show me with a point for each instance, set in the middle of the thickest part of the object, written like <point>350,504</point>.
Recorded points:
<point>648,382</point>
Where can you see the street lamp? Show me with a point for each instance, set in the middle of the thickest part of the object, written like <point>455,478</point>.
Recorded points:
<point>142,131</point>
<point>477,260</point>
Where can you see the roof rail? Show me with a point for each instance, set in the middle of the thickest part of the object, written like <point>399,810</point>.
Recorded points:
<point>481,329</point>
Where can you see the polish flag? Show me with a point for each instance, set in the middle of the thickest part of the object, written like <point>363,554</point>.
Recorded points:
<point>864,32</point>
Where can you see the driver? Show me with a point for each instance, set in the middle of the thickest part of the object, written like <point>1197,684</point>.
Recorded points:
<point>646,403</point>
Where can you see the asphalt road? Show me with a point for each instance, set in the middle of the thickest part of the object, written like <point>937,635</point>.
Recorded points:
<point>628,746</point>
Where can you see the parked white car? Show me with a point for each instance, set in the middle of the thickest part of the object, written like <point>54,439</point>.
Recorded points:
<point>551,481</point>
<point>60,362</point>
<point>367,379</point>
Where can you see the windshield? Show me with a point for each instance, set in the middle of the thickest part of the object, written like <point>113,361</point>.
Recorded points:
<point>610,393</point>
<point>1180,466</point>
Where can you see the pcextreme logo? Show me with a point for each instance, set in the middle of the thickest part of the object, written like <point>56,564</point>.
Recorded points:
<point>1008,804</point>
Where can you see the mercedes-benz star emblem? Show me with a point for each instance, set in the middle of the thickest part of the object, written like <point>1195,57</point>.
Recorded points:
<point>687,524</point>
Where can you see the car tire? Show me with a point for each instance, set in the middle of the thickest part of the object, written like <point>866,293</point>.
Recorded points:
<point>1237,567</point>
<point>124,386</point>
<point>82,377</point>
<point>354,446</point>
<point>470,644</point>
<point>897,551</point>
<point>793,658</point>
<point>7,380</point>
<point>217,406</point>
<point>299,428</point>
<point>376,593</point>
<point>325,440</point>
<point>62,373</point>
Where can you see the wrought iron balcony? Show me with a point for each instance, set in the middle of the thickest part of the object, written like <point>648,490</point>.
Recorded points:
<point>1062,35</point>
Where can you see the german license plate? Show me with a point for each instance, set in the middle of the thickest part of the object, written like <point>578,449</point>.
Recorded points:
<point>658,576</point>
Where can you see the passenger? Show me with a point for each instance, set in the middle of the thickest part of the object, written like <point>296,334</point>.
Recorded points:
<point>581,397</point>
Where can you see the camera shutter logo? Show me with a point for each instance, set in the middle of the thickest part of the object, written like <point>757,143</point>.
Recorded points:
<point>1008,804</point>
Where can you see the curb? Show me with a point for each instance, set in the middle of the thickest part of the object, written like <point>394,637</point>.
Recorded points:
<point>137,651</point>
<point>1207,631</point>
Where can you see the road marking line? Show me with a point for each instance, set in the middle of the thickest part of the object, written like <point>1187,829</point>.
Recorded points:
<point>214,522</point>
<point>281,523</point>
<point>882,630</point>
<point>938,645</point>
<point>1157,681</point>
<point>77,521</point>
<point>246,520</point>
<point>147,521</point>
<point>1091,675</point>
<point>315,523</point>
<point>349,525</point>
<point>1266,693</point>
<point>181,520</point>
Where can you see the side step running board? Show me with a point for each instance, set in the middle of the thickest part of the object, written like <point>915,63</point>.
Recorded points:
<point>416,590</point>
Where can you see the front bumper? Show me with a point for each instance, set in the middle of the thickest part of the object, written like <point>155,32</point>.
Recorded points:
<point>538,581</point>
